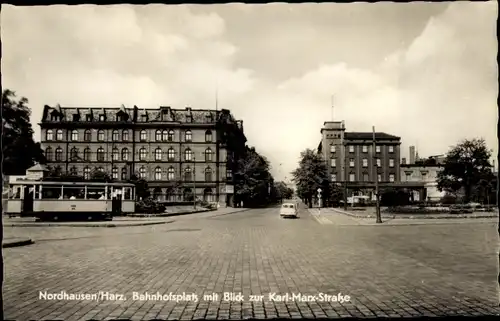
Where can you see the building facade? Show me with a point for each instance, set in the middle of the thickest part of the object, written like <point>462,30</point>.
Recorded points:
<point>351,158</point>
<point>182,153</point>
<point>423,171</point>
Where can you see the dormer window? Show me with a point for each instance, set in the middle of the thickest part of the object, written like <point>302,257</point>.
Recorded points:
<point>54,117</point>
<point>89,118</point>
<point>76,117</point>
<point>189,118</point>
<point>144,118</point>
<point>102,117</point>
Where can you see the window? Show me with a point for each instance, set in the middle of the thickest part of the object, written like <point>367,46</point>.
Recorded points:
<point>158,153</point>
<point>88,117</point>
<point>100,154</point>
<point>365,162</point>
<point>115,155</point>
<point>334,177</point>
<point>351,149</point>
<point>365,149</point>
<point>351,162</point>
<point>74,154</point>
<point>158,135</point>
<point>171,174</point>
<point>86,173</point>
<point>125,154</point>
<point>158,174</point>
<point>351,177</point>
<point>408,176</point>
<point>76,117</point>
<point>378,162</point>
<point>379,177</point>
<point>377,149</point>
<point>171,154</point>
<point>332,148</point>
<point>170,135</point>
<point>229,173</point>
<point>333,162</point>
<point>116,136</point>
<point>391,162</point>
<point>102,117</point>
<point>189,136</point>
<point>125,135</point>
<point>188,174</point>
<point>391,177</point>
<point>48,153</point>
<point>86,154</point>
<point>142,172</point>
<point>164,135</point>
<point>144,118</point>
<point>59,134</point>
<point>59,152</point>
<point>208,155</point>
<point>188,155</point>
<point>144,135</point>
<point>142,154</point>
<point>114,173</point>
<point>391,149</point>
<point>100,135</point>
<point>87,136</point>
<point>365,177</point>
<point>49,135</point>
<point>100,169</point>
<point>208,175</point>
<point>208,136</point>
<point>124,173</point>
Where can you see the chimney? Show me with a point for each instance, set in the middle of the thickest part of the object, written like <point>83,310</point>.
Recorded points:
<point>403,161</point>
<point>412,154</point>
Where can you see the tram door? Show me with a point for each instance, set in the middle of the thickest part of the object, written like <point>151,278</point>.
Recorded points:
<point>28,200</point>
<point>116,203</point>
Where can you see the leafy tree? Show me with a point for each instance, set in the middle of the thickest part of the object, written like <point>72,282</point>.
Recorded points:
<point>466,164</point>
<point>253,180</point>
<point>311,174</point>
<point>19,150</point>
<point>281,192</point>
<point>141,187</point>
<point>56,174</point>
<point>98,176</point>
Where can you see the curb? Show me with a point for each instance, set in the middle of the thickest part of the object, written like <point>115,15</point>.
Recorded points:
<point>416,217</point>
<point>246,209</point>
<point>84,225</point>
<point>17,243</point>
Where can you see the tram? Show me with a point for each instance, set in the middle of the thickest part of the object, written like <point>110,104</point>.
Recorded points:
<point>56,201</point>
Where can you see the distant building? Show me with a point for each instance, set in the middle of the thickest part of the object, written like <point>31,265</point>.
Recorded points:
<point>351,158</point>
<point>180,152</point>
<point>424,171</point>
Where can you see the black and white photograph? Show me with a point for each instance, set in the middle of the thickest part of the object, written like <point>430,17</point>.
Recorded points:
<point>241,161</point>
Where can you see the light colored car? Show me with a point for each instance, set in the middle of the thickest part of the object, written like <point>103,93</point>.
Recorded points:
<point>289,209</point>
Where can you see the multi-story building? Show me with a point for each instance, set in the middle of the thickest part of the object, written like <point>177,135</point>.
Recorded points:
<point>423,171</point>
<point>182,153</point>
<point>351,158</point>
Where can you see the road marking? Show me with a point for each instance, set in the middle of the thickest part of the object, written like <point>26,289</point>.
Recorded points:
<point>315,213</point>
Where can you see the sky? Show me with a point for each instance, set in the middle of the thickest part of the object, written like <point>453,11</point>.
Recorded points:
<point>426,72</point>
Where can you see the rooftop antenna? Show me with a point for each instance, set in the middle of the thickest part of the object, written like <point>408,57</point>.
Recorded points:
<point>332,108</point>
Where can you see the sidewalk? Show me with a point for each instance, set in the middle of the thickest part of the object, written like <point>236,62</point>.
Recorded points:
<point>328,216</point>
<point>369,212</point>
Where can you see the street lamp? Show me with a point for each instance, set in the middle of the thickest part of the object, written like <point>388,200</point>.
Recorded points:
<point>194,180</point>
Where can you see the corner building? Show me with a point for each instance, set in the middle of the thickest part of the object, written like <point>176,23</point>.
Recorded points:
<point>180,152</point>
<point>351,158</point>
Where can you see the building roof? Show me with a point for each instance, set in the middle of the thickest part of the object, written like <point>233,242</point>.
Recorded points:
<point>369,136</point>
<point>37,167</point>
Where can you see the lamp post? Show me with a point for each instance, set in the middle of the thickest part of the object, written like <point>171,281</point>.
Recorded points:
<point>377,203</point>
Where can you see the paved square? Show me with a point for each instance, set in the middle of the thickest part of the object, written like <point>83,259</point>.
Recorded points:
<point>422,270</point>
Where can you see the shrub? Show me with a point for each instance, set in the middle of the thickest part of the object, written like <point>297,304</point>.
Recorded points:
<point>449,200</point>
<point>149,206</point>
<point>416,210</point>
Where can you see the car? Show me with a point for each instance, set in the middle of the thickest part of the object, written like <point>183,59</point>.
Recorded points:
<point>289,209</point>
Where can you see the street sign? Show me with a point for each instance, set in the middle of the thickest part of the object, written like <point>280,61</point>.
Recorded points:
<point>319,190</point>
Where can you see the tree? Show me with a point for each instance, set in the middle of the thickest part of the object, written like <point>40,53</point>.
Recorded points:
<point>281,192</point>
<point>141,187</point>
<point>311,174</point>
<point>19,150</point>
<point>56,174</point>
<point>98,176</point>
<point>253,180</point>
<point>465,165</point>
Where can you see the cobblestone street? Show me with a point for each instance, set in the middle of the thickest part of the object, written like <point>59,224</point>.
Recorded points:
<point>421,270</point>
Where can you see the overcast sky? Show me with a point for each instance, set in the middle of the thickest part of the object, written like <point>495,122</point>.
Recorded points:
<point>424,71</point>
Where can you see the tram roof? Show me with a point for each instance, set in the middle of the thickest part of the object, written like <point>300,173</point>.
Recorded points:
<point>31,182</point>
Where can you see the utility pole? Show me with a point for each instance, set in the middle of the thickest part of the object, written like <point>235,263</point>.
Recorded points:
<point>194,180</point>
<point>345,177</point>
<point>377,209</point>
